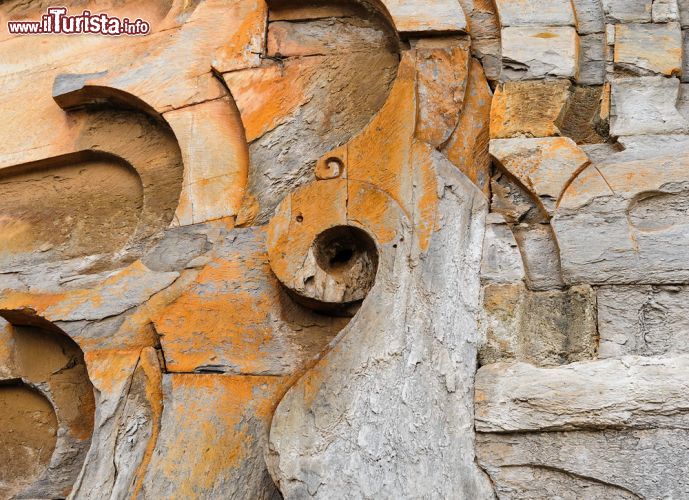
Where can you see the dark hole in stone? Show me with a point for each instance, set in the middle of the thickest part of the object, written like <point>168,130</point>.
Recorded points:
<point>341,249</point>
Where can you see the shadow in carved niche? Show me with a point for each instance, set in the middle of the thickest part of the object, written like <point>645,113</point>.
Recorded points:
<point>47,408</point>
<point>27,441</point>
<point>80,204</point>
<point>107,200</point>
<point>344,264</point>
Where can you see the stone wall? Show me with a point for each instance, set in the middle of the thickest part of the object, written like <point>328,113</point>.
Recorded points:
<point>358,249</point>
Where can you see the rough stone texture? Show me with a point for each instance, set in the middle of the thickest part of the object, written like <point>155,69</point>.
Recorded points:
<point>608,464</point>
<point>592,59</point>
<point>649,48</point>
<point>531,109</point>
<point>540,255</point>
<point>532,13</point>
<point>627,11</point>
<point>323,99</point>
<point>630,391</point>
<point>665,11</point>
<point>590,17</point>
<point>643,320</point>
<point>339,428</point>
<point>646,105</point>
<point>261,251</point>
<point>544,166</point>
<point>538,52</point>
<point>501,261</point>
<point>633,211</point>
<point>542,328</point>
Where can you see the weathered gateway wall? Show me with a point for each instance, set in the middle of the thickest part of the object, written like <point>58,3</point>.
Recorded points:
<point>346,249</point>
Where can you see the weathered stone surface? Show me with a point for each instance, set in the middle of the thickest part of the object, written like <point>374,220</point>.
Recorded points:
<point>440,104</point>
<point>235,302</point>
<point>627,11</point>
<point>589,15</point>
<point>665,11</point>
<point>643,320</point>
<point>265,228</point>
<point>542,328</point>
<point>530,109</point>
<point>592,59</point>
<point>217,159</point>
<point>337,428</point>
<point>419,16</point>
<point>626,392</point>
<point>45,362</point>
<point>633,210</point>
<point>586,119</point>
<point>322,99</point>
<point>539,52</point>
<point>539,251</point>
<point>489,52</point>
<point>323,36</point>
<point>230,415</point>
<point>649,48</point>
<point>610,464</point>
<point>646,105</point>
<point>532,13</point>
<point>467,146</point>
<point>685,60</point>
<point>501,261</point>
<point>545,166</point>
<point>683,6</point>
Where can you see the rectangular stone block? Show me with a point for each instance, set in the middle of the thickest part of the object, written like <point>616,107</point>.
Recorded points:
<point>627,11</point>
<point>535,52</point>
<point>645,105</point>
<point>590,17</point>
<point>592,59</point>
<point>542,328</point>
<point>644,320</point>
<point>665,11</point>
<point>644,48</point>
<point>535,12</point>
<point>531,109</point>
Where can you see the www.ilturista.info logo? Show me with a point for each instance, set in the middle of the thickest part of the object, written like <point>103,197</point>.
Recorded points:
<point>56,20</point>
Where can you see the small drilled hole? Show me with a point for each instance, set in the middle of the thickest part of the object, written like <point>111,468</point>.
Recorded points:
<point>299,218</point>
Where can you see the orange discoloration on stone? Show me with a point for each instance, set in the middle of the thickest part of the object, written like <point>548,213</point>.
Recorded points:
<point>150,365</point>
<point>425,194</point>
<point>440,90</point>
<point>380,154</point>
<point>216,159</point>
<point>651,47</point>
<point>226,419</point>
<point>235,319</point>
<point>269,95</point>
<point>247,39</point>
<point>299,220</point>
<point>110,370</point>
<point>375,210</point>
<point>467,148</point>
<point>544,166</point>
<point>528,109</point>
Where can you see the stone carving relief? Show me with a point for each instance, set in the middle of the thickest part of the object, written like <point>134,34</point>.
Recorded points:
<point>362,249</point>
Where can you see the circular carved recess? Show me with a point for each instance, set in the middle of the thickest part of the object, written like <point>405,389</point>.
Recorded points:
<point>347,261</point>
<point>329,241</point>
<point>29,434</point>
<point>40,356</point>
